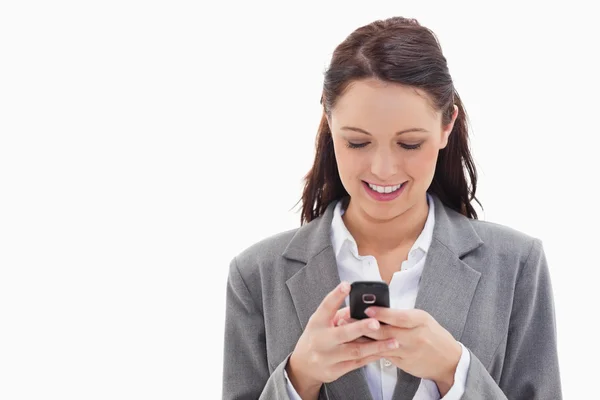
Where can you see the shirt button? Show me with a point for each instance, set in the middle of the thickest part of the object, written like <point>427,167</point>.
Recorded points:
<point>387,363</point>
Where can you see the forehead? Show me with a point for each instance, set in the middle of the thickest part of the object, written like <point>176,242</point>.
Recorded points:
<point>383,103</point>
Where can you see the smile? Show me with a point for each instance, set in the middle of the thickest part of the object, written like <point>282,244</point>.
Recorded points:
<point>383,193</point>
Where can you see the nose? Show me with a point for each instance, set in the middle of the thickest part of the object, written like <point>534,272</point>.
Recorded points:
<point>384,164</point>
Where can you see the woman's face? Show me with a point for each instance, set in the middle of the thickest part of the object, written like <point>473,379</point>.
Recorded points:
<point>366,125</point>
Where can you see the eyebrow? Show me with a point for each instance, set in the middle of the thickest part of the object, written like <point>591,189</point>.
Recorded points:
<point>351,128</point>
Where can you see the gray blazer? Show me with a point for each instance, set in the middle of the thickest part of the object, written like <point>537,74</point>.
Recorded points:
<point>486,283</point>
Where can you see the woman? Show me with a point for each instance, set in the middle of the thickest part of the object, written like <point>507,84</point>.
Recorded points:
<point>472,312</point>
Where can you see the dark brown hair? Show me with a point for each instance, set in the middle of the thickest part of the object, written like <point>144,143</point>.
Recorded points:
<point>397,50</point>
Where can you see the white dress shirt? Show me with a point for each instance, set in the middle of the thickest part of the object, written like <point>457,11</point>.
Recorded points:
<point>404,285</point>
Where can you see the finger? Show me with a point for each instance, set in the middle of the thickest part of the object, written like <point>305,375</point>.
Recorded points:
<point>341,315</point>
<point>330,305</point>
<point>349,332</point>
<point>345,321</point>
<point>362,339</point>
<point>397,317</point>
<point>344,367</point>
<point>357,351</point>
<point>385,332</point>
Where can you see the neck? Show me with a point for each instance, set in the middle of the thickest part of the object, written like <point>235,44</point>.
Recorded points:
<point>384,236</point>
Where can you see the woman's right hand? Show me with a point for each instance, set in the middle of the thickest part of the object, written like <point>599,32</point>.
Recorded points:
<point>326,351</point>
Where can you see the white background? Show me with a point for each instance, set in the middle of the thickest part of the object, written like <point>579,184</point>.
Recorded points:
<point>144,144</point>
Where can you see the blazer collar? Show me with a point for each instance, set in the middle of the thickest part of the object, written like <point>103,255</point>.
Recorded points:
<point>446,287</point>
<point>341,236</point>
<point>451,228</point>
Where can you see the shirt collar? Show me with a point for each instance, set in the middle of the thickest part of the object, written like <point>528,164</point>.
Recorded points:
<point>340,234</point>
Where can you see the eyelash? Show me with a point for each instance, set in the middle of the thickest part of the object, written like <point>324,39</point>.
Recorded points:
<point>404,146</point>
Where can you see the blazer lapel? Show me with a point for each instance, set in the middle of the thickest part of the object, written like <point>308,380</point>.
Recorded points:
<point>308,287</point>
<point>446,287</point>
<point>447,283</point>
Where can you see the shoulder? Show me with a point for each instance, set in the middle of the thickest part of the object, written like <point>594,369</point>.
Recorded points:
<point>259,267</point>
<point>260,258</point>
<point>505,246</point>
<point>502,236</point>
<point>267,249</point>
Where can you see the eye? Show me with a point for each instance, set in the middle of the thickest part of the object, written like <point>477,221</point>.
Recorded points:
<point>356,145</point>
<point>404,146</point>
<point>410,147</point>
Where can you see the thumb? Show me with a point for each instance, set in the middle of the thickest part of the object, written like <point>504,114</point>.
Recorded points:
<point>331,303</point>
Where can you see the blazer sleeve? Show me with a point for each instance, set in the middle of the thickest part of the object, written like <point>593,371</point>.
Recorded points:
<point>530,370</point>
<point>245,368</point>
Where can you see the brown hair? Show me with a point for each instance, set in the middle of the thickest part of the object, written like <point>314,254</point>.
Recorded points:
<point>397,50</point>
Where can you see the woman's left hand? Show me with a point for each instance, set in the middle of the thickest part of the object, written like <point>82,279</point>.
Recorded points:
<point>426,349</point>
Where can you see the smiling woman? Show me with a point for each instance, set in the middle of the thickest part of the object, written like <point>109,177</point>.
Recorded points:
<point>384,135</point>
<point>388,199</point>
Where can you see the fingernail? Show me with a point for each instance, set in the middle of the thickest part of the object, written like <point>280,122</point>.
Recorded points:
<point>341,322</point>
<point>393,344</point>
<point>345,287</point>
<point>370,312</point>
<point>373,325</point>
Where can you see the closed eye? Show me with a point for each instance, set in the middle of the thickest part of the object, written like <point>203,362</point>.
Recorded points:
<point>410,147</point>
<point>357,145</point>
<point>404,146</point>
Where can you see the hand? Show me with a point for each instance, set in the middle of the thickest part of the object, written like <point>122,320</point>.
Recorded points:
<point>427,350</point>
<point>342,317</point>
<point>325,351</point>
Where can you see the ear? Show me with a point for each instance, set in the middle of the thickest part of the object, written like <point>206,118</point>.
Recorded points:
<point>448,128</point>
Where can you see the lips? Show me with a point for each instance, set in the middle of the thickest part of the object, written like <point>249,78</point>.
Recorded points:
<point>394,187</point>
<point>383,197</point>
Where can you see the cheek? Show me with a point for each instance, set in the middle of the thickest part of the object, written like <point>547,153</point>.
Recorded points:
<point>350,164</point>
<point>343,158</point>
<point>423,163</point>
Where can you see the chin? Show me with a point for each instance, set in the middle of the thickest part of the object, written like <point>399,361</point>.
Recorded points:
<point>384,210</point>
<point>380,212</point>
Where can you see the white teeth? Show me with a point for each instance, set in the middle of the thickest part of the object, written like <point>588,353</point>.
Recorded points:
<point>385,189</point>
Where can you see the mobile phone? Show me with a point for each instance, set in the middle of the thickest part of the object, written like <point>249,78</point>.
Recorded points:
<point>364,294</point>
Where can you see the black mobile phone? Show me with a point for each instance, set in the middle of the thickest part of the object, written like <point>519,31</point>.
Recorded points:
<point>364,294</point>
